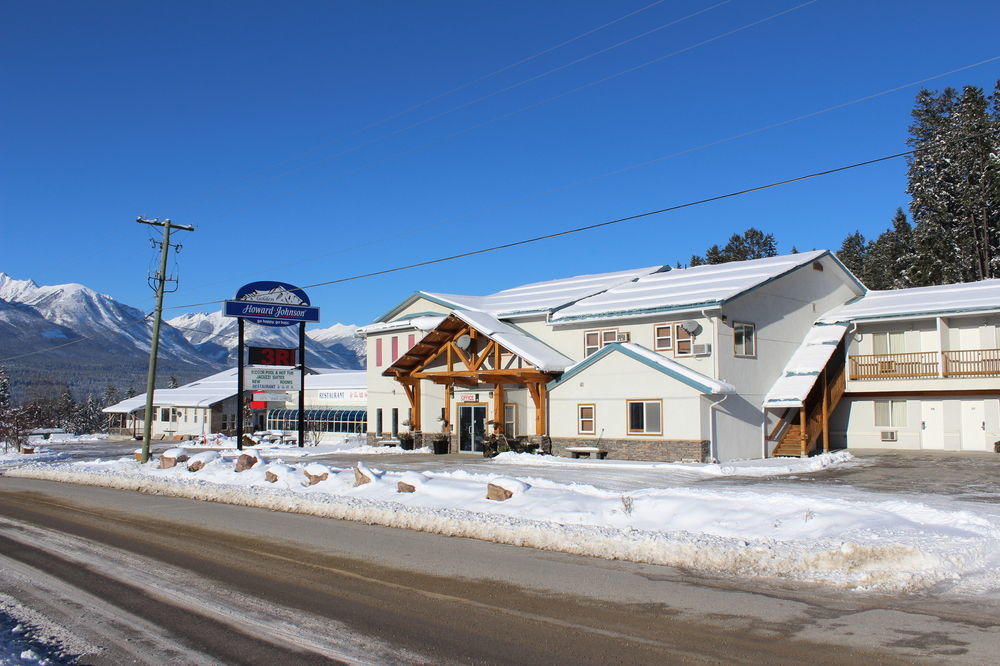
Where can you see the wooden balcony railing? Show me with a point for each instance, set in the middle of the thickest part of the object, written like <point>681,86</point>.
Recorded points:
<point>888,366</point>
<point>972,363</point>
<point>964,363</point>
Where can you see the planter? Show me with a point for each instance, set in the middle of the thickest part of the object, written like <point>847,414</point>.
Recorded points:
<point>440,446</point>
<point>406,443</point>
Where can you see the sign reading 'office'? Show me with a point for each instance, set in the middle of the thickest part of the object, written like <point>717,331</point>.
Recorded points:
<point>271,304</point>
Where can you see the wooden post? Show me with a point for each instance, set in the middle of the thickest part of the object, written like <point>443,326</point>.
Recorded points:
<point>446,424</point>
<point>541,392</point>
<point>498,408</point>
<point>803,431</point>
<point>415,417</point>
<point>826,415</point>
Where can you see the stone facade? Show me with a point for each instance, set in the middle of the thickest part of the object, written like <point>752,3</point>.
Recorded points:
<point>655,450</point>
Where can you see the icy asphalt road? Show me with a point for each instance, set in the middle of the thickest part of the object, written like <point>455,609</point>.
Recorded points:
<point>148,579</point>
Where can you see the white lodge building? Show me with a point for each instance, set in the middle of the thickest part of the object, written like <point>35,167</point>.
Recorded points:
<point>651,364</point>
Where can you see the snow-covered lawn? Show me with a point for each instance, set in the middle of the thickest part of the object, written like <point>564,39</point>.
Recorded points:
<point>837,536</point>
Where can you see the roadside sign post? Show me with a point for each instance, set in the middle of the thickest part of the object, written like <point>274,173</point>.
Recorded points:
<point>268,303</point>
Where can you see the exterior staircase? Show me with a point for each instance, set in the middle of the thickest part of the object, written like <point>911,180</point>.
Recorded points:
<point>802,432</point>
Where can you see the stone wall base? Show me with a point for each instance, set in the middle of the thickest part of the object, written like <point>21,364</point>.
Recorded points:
<point>654,450</point>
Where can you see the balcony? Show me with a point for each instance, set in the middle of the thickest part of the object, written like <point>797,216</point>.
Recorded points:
<point>964,363</point>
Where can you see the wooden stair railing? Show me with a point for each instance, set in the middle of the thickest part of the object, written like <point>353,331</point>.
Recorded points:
<point>796,443</point>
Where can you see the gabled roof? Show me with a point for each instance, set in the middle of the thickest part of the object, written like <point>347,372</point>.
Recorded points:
<point>695,288</point>
<point>537,297</point>
<point>802,369</point>
<point>201,393</point>
<point>511,338</point>
<point>930,301</point>
<point>657,362</point>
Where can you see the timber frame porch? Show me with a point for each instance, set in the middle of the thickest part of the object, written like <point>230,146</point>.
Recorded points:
<point>457,354</point>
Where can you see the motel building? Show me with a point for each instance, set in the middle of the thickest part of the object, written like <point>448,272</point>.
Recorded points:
<point>788,355</point>
<point>335,406</point>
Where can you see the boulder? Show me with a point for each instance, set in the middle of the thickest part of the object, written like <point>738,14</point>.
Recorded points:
<point>245,462</point>
<point>404,487</point>
<point>494,492</point>
<point>171,457</point>
<point>199,460</point>
<point>316,473</point>
<point>275,472</point>
<point>360,476</point>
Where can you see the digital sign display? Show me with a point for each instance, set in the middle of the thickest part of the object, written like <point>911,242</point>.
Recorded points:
<point>271,356</point>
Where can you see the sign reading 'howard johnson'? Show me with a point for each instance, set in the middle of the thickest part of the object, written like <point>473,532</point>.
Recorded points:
<point>271,304</point>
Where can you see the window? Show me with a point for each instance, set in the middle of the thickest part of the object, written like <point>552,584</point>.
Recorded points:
<point>164,414</point>
<point>663,337</point>
<point>890,413</point>
<point>594,340</point>
<point>684,341</point>
<point>378,353</point>
<point>411,340</point>
<point>378,422</point>
<point>644,417</point>
<point>510,420</point>
<point>395,348</point>
<point>586,422</point>
<point>888,343</point>
<point>744,339</point>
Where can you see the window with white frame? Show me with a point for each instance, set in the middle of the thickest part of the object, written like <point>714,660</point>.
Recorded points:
<point>586,420</point>
<point>744,339</point>
<point>644,417</point>
<point>510,419</point>
<point>888,343</point>
<point>663,337</point>
<point>890,413</point>
<point>594,340</point>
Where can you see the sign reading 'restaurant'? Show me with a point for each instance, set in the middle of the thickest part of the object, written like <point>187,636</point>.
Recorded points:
<point>271,304</point>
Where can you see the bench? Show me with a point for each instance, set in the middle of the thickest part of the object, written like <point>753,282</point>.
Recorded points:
<point>587,452</point>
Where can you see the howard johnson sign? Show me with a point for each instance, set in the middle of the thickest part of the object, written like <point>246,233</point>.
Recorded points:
<point>271,304</point>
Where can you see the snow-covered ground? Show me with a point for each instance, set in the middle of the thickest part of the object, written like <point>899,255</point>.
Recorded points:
<point>830,535</point>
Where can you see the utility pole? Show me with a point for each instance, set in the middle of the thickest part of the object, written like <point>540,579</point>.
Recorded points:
<point>159,280</point>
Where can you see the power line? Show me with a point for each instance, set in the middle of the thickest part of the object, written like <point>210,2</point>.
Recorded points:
<point>438,97</point>
<point>589,227</point>
<point>645,163</point>
<point>516,112</point>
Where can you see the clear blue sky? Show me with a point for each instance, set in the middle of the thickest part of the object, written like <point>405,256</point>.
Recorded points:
<point>254,122</point>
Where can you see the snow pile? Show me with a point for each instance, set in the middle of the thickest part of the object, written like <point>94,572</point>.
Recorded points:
<point>835,536</point>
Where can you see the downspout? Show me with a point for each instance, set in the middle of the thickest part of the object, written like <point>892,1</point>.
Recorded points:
<point>713,447</point>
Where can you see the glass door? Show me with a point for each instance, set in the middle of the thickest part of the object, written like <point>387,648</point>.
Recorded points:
<point>471,427</point>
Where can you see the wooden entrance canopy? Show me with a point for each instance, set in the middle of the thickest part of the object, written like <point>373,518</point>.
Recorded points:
<point>455,353</point>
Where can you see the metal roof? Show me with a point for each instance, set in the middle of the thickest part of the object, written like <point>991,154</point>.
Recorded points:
<point>930,301</point>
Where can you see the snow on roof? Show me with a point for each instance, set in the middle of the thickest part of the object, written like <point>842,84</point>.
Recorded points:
<point>337,379</point>
<point>799,375</point>
<point>424,322</point>
<point>658,362</point>
<point>685,288</point>
<point>201,393</point>
<point>529,348</point>
<point>541,296</point>
<point>941,299</point>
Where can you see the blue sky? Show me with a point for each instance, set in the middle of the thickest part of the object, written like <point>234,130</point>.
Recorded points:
<point>278,130</point>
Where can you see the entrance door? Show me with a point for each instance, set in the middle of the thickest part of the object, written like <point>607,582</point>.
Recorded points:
<point>973,426</point>
<point>932,426</point>
<point>471,427</point>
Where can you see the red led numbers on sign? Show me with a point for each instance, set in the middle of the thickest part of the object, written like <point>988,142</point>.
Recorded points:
<point>271,356</point>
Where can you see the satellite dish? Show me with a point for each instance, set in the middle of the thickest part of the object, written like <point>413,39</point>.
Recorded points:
<point>463,341</point>
<point>692,327</point>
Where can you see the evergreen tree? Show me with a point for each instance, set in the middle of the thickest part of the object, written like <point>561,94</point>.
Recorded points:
<point>5,402</point>
<point>696,261</point>
<point>753,244</point>
<point>852,254</point>
<point>888,260</point>
<point>954,182</point>
<point>110,396</point>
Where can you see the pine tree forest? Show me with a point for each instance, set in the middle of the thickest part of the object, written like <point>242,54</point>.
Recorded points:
<point>953,179</point>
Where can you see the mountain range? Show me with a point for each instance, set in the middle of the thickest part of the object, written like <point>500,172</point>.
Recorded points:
<point>70,335</point>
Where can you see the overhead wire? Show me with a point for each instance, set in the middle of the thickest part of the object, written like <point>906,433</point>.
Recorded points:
<point>441,96</point>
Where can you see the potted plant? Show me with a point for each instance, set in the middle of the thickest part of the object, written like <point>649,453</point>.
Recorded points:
<point>406,441</point>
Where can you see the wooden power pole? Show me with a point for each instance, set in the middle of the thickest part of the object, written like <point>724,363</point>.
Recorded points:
<point>159,280</point>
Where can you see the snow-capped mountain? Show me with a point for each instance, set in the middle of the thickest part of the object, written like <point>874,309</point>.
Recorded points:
<point>215,336</point>
<point>86,313</point>
<point>70,335</point>
<point>341,338</point>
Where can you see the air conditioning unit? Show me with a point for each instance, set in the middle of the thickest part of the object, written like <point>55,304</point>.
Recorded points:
<point>624,337</point>
<point>701,350</point>
<point>889,436</point>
